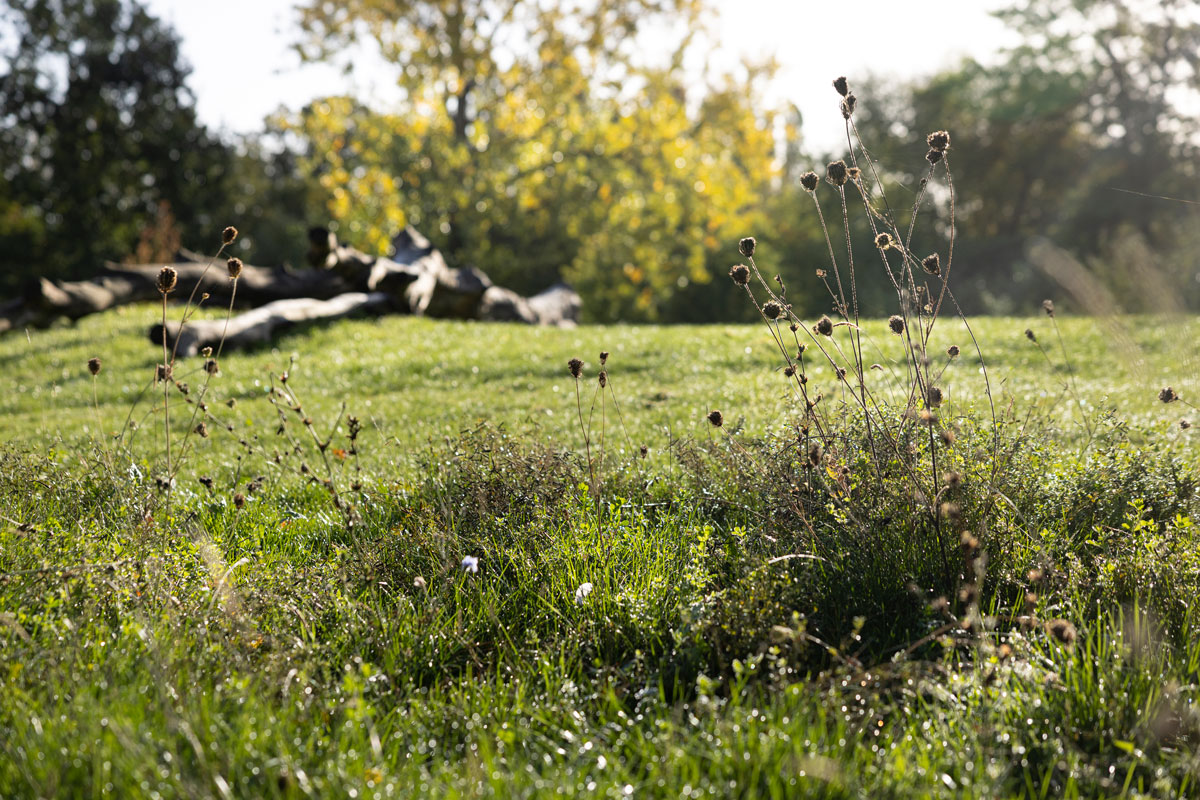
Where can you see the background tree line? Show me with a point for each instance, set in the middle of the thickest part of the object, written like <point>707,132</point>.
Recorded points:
<point>536,142</point>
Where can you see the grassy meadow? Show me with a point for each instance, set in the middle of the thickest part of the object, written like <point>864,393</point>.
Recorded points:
<point>469,596</point>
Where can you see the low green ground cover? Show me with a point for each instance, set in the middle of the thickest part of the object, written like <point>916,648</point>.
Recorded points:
<point>454,613</point>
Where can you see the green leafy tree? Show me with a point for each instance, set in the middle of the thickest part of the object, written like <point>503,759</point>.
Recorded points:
<point>98,130</point>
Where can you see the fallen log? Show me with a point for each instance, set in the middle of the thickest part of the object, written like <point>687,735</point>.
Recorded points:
<point>416,280</point>
<point>260,326</point>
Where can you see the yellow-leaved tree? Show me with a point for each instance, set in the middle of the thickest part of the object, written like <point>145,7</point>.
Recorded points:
<point>538,142</point>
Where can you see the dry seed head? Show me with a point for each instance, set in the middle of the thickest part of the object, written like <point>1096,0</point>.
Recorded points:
<point>789,371</point>
<point>228,235</point>
<point>896,324</point>
<point>202,430</point>
<point>211,366</point>
<point>836,173</point>
<point>947,436</point>
<point>814,455</point>
<point>234,266</point>
<point>809,181</point>
<point>162,372</point>
<point>883,241</point>
<point>932,264</point>
<point>1030,336</point>
<point>603,357</point>
<point>938,140</point>
<point>824,326</point>
<point>772,310</point>
<point>1184,424</point>
<point>746,246</point>
<point>576,367</point>
<point>848,106</point>
<point>934,156</point>
<point>952,351</point>
<point>603,378</point>
<point>94,366</point>
<point>854,174</point>
<point>1048,307</point>
<point>1168,395</point>
<point>716,418</point>
<point>740,274</point>
<point>239,501</point>
<point>841,85</point>
<point>934,397</point>
<point>643,451</point>
<point>1063,631</point>
<point>167,278</point>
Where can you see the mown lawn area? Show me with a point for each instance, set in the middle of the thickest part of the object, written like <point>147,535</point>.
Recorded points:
<point>455,601</point>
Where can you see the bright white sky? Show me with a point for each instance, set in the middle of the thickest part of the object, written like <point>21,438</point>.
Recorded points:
<point>244,69</point>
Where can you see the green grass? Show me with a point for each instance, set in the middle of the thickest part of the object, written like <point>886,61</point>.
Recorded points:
<point>273,651</point>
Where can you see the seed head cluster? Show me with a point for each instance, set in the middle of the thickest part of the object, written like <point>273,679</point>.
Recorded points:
<point>746,246</point>
<point>824,326</point>
<point>896,324</point>
<point>836,173</point>
<point>94,366</point>
<point>716,418</point>
<point>932,264</point>
<point>228,235</point>
<point>772,310</point>
<point>740,274</point>
<point>234,267</point>
<point>809,181</point>
<point>167,278</point>
<point>576,367</point>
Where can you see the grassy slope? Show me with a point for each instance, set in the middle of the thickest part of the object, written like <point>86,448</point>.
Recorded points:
<point>415,380</point>
<point>314,667</point>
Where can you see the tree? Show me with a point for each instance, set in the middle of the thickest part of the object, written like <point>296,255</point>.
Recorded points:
<point>1051,141</point>
<point>97,131</point>
<point>533,144</point>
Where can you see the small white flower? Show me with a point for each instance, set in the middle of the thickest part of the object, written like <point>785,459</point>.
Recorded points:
<point>582,592</point>
<point>470,564</point>
<point>419,582</point>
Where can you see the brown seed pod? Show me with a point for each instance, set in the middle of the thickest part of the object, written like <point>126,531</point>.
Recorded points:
<point>896,324</point>
<point>228,235</point>
<point>938,140</point>
<point>836,173</point>
<point>740,274</point>
<point>94,366</point>
<point>810,181</point>
<point>716,418</point>
<point>167,278</point>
